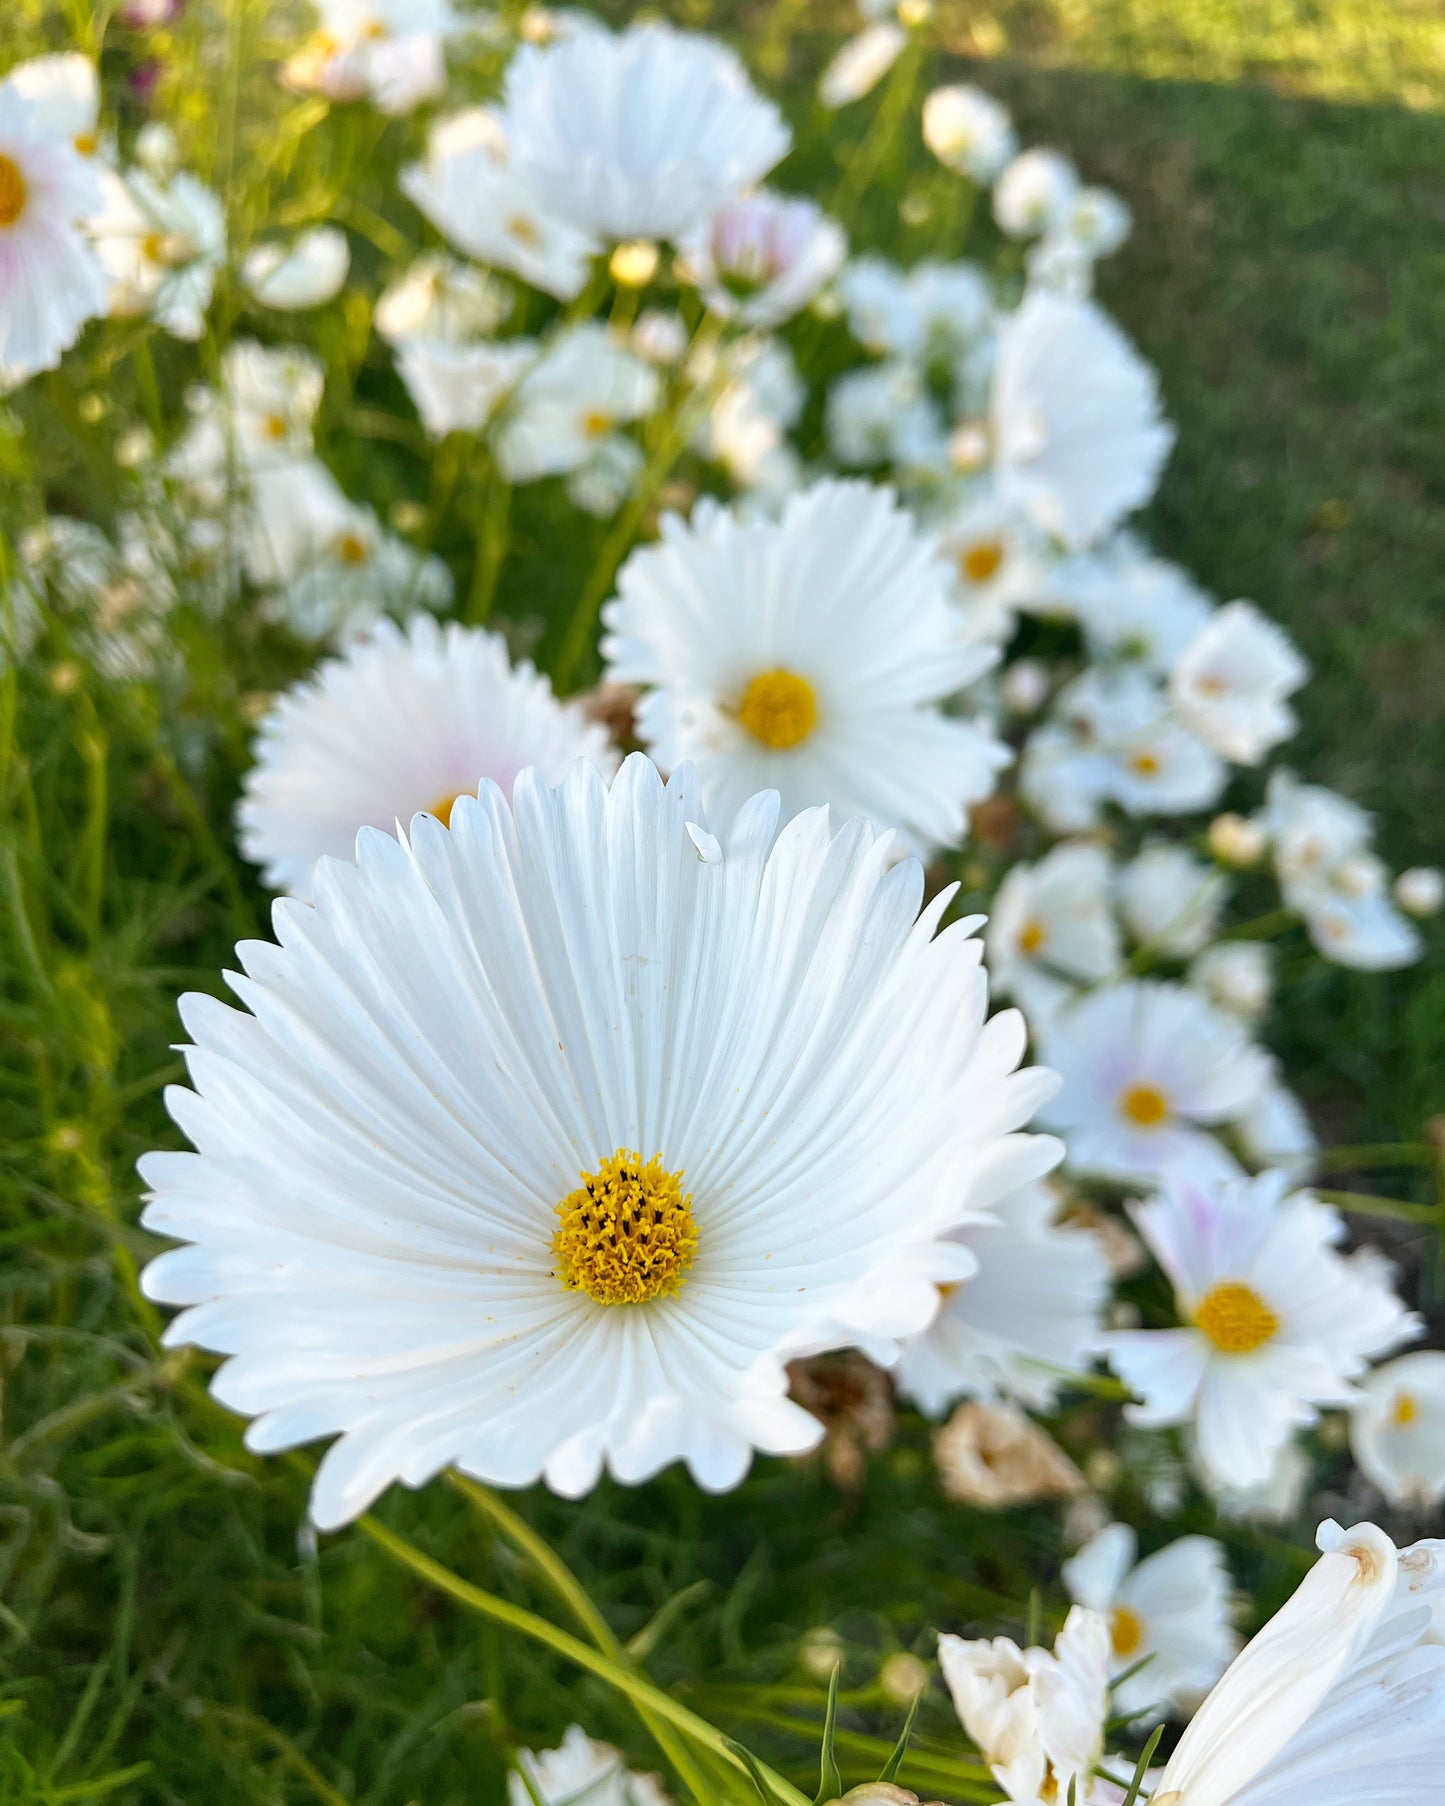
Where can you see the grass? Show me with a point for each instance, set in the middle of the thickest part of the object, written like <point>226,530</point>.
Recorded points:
<point>165,1634</point>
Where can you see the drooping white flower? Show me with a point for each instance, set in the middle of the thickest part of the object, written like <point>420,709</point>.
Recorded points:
<point>1052,928</point>
<point>857,67</point>
<point>763,257</point>
<point>50,278</point>
<point>1231,683</point>
<point>161,244</point>
<point>1170,900</point>
<point>642,134</point>
<point>1037,1717</point>
<point>810,654</point>
<point>1078,437</point>
<point>1171,1608</point>
<point>1035,192</point>
<point>1148,1069</point>
<point>391,52</point>
<point>407,721</point>
<point>1397,1429</point>
<point>969,131</point>
<point>1028,1317</point>
<point>1339,1700</point>
<point>546,1139</point>
<point>1276,1322</point>
<point>353,574</point>
<point>305,273</point>
<point>471,192</point>
<point>580,1772</point>
<point>569,404</point>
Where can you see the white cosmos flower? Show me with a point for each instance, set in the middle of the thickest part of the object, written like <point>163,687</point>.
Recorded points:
<point>1239,977</point>
<point>475,197</point>
<point>457,388</point>
<point>568,406</point>
<point>161,244</point>
<point>304,273</point>
<point>763,257</point>
<point>1027,1318</point>
<point>390,51</point>
<point>1148,1069</point>
<point>1276,1322</point>
<point>883,414</point>
<point>969,131</point>
<point>1035,193</point>
<point>1172,1607</point>
<point>1132,605</point>
<point>1037,1717</point>
<point>440,299</point>
<point>408,720</point>
<point>1340,1699</point>
<point>1231,683</point>
<point>355,573</point>
<point>1397,1429</point>
<point>50,278</point>
<point>810,655</point>
<point>543,1141</point>
<point>857,66</point>
<point>1001,562</point>
<point>880,310</point>
<point>580,1772</point>
<point>644,134</point>
<point>1052,928</point>
<point>1078,438</point>
<point>1170,900</point>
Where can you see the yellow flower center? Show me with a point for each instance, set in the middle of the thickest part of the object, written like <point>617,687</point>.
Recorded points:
<point>1404,1411</point>
<point>351,548</point>
<point>1144,765</point>
<point>779,708</point>
<point>981,561</point>
<point>1031,936</point>
<point>442,808</point>
<point>627,1233</point>
<point>524,231</point>
<point>1145,1105</point>
<point>1126,1631</point>
<point>1235,1318</point>
<point>13,192</point>
<point>274,427</point>
<point>87,143</point>
<point>596,422</point>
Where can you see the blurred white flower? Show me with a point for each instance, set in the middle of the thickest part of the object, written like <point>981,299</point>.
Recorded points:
<point>1230,684</point>
<point>1132,605</point>
<point>1420,891</point>
<point>1147,1070</point>
<point>1028,1317</point>
<point>161,244</point>
<point>388,51</point>
<point>883,414</point>
<point>1035,193</point>
<point>354,574</point>
<point>1274,1130</point>
<point>642,134</point>
<point>1170,901</point>
<point>569,405</point>
<point>1397,1429</point>
<point>580,1772</point>
<point>1339,1700</point>
<point>969,131</point>
<point>1001,562</point>
<point>1239,977</point>
<point>407,721</point>
<point>1277,1323</point>
<point>1052,929</point>
<point>304,273</point>
<point>763,257</point>
<point>1078,437</point>
<point>880,311</point>
<point>858,66</point>
<point>476,1033</point>
<point>458,387</point>
<point>441,299</point>
<point>1277,1499</point>
<point>809,655</point>
<point>1169,1611</point>
<point>1235,840</point>
<point>64,95</point>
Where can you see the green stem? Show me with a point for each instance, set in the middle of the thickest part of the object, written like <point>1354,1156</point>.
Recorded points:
<point>1364,1204</point>
<point>582,1655</point>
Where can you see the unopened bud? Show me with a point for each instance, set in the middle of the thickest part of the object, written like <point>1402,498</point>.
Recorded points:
<point>1236,840</point>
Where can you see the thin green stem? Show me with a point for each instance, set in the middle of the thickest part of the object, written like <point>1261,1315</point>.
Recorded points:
<point>1365,1204</point>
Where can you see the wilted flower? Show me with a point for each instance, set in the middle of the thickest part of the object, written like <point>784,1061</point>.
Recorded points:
<point>992,1455</point>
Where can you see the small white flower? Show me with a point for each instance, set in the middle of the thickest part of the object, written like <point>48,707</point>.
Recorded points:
<point>1171,1608</point>
<point>161,244</point>
<point>1001,562</point>
<point>858,66</point>
<point>1340,1699</point>
<point>391,51</point>
<point>1148,1069</point>
<point>441,299</point>
<point>1035,193</point>
<point>479,1038</point>
<point>1097,221</point>
<point>1170,900</point>
<point>1239,977</point>
<point>305,273</point>
<point>882,414</point>
<point>1420,891</point>
<point>354,574</point>
<point>1397,1429</point>
<point>1028,1317</point>
<point>457,388</point>
<point>1052,929</point>
<point>880,309</point>
<point>810,655</point>
<point>1078,437</point>
<point>763,257</point>
<point>969,131</point>
<point>584,387</point>
<point>1230,684</point>
<point>1276,1322</point>
<point>1235,840</point>
<point>1132,605</point>
<point>580,1773</point>
<point>644,134</point>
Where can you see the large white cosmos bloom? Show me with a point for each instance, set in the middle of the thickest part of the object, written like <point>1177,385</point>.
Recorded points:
<point>808,655</point>
<point>1078,437</point>
<point>1340,1699</point>
<point>549,1137</point>
<point>640,135</point>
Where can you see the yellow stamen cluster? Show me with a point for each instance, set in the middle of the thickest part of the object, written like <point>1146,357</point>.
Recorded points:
<point>351,548</point>
<point>1145,1106</point>
<point>1235,1318</point>
<point>442,808</point>
<point>1032,936</point>
<point>779,708</point>
<point>1144,764</point>
<point>1126,1631</point>
<point>13,191</point>
<point>627,1233</point>
<point>981,560</point>
<point>1404,1411</point>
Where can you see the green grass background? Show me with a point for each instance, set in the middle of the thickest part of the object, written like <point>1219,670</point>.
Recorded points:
<point>165,1636</point>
